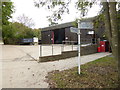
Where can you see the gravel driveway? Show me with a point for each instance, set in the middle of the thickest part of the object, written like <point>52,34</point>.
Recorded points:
<point>30,74</point>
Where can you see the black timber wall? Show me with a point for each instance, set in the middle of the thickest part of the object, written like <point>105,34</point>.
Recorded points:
<point>59,35</point>
<point>65,35</point>
<point>69,35</point>
<point>85,37</point>
<point>46,37</point>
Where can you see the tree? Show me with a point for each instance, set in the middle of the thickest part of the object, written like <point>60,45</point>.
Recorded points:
<point>63,7</point>
<point>26,21</point>
<point>13,32</point>
<point>110,15</point>
<point>0,21</point>
<point>22,31</point>
<point>7,10</point>
<point>37,33</point>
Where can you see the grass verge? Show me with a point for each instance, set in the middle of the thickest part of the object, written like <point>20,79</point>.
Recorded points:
<point>101,73</point>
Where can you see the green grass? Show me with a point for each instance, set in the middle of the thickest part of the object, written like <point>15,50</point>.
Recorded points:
<point>101,73</point>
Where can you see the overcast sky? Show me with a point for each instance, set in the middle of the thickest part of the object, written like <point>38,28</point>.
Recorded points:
<point>38,15</point>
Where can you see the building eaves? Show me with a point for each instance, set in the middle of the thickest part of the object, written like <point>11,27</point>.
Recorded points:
<point>64,25</point>
<point>58,26</point>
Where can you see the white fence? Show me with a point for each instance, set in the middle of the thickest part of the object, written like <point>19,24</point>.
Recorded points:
<point>55,49</point>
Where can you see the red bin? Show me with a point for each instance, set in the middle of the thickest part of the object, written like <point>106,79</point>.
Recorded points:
<point>99,49</point>
<point>104,46</point>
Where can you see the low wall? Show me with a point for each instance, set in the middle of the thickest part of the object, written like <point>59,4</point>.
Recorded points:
<point>88,49</point>
<point>68,54</point>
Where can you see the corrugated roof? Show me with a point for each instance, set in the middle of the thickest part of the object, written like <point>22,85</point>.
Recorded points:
<point>64,25</point>
<point>58,26</point>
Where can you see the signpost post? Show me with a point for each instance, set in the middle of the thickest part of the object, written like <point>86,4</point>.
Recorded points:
<point>81,25</point>
<point>79,59</point>
<point>77,30</point>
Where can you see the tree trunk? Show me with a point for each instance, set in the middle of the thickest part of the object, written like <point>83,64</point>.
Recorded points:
<point>107,22</point>
<point>115,34</point>
<point>110,17</point>
<point>115,31</point>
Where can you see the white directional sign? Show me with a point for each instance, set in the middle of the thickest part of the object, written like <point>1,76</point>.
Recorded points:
<point>86,25</point>
<point>74,30</point>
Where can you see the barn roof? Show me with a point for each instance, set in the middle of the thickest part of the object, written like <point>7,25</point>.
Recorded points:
<point>58,26</point>
<point>64,25</point>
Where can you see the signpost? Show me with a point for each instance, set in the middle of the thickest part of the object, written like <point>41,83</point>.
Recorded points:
<point>81,25</point>
<point>77,30</point>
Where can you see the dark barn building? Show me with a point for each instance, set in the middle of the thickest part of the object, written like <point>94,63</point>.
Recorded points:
<point>61,32</point>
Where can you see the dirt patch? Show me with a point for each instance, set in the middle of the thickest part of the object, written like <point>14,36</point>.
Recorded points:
<point>102,73</point>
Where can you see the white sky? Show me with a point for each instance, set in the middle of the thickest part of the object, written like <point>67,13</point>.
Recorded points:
<point>38,15</point>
